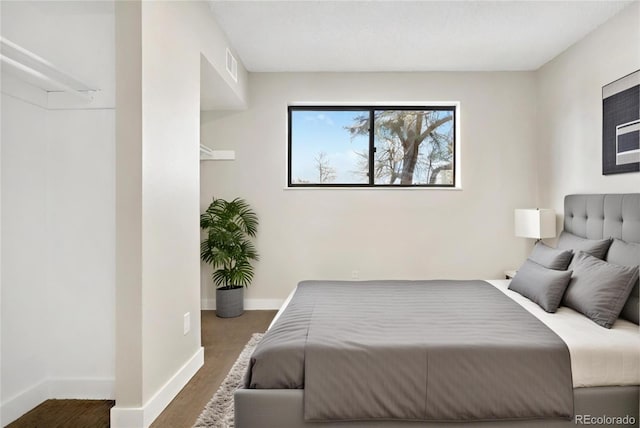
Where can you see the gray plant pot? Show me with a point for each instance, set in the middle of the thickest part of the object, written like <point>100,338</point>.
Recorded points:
<point>230,303</point>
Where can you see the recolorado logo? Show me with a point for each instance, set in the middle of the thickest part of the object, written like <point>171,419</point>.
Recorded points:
<point>604,420</point>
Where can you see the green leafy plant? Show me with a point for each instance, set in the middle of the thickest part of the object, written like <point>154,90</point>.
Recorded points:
<point>228,247</point>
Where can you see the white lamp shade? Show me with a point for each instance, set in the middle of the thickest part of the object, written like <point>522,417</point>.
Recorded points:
<point>535,223</point>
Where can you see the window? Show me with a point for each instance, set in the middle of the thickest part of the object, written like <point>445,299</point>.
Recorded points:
<point>405,147</point>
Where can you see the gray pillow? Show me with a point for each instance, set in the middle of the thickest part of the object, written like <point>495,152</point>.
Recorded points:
<point>541,285</point>
<point>599,289</point>
<point>551,258</point>
<point>596,247</point>
<point>627,254</point>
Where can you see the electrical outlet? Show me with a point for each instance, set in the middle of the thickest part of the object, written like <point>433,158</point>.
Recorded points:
<point>355,274</point>
<point>187,323</point>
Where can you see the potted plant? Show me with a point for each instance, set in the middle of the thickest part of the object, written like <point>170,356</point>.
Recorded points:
<point>228,248</point>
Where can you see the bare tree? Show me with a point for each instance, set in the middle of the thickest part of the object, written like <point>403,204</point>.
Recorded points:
<point>439,156</point>
<point>400,134</point>
<point>362,165</point>
<point>326,173</point>
<point>388,161</point>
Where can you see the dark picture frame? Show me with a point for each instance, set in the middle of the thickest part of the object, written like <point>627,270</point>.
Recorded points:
<point>621,125</point>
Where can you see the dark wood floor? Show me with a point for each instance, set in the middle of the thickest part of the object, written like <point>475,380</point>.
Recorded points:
<point>223,339</point>
<point>66,414</point>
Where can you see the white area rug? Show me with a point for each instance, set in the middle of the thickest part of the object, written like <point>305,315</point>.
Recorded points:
<point>218,413</point>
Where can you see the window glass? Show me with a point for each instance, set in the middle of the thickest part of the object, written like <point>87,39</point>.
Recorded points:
<point>324,151</point>
<point>406,146</point>
<point>413,147</point>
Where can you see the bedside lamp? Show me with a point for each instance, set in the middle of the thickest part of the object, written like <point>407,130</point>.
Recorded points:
<point>537,223</point>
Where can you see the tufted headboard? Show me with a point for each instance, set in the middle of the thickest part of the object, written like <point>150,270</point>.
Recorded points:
<point>607,216</point>
<point>603,216</point>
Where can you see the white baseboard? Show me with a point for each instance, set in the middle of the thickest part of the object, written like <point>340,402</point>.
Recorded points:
<point>142,417</point>
<point>24,401</point>
<point>249,304</point>
<point>18,405</point>
<point>78,388</point>
<point>127,417</point>
<point>208,304</point>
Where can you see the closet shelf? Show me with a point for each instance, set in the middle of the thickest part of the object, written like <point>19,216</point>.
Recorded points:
<point>207,153</point>
<point>39,72</point>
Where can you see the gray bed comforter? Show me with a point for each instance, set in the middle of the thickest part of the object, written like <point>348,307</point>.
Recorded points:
<point>414,350</point>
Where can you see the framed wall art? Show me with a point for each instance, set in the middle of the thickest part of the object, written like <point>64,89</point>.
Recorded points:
<point>621,125</point>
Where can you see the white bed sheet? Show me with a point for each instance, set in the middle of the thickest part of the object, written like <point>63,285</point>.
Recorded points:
<point>599,357</point>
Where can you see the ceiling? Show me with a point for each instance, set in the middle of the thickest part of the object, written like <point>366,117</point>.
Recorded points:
<point>406,35</point>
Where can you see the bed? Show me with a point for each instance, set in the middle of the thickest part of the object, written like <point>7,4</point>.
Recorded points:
<point>603,365</point>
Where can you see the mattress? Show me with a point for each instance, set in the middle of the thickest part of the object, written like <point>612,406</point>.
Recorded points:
<point>599,356</point>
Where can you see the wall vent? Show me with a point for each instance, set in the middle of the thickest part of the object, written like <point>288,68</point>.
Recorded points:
<point>232,65</point>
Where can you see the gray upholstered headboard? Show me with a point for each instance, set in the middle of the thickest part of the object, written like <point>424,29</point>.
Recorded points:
<point>603,216</point>
<point>607,216</point>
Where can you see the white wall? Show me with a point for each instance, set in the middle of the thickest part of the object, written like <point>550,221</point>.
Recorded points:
<point>570,111</point>
<point>58,215</point>
<point>170,151</point>
<point>80,244</point>
<point>25,315</point>
<point>158,50</point>
<point>396,233</point>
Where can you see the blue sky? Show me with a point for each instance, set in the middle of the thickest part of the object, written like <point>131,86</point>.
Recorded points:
<point>323,131</point>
